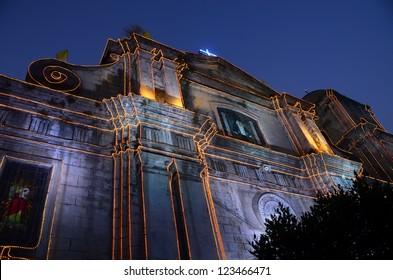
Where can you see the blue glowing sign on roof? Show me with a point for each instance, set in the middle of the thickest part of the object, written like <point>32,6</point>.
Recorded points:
<point>206,52</point>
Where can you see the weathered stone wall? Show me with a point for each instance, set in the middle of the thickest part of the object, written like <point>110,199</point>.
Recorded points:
<point>246,180</point>
<point>143,165</point>
<point>239,215</point>
<point>352,127</point>
<point>158,162</point>
<point>73,137</point>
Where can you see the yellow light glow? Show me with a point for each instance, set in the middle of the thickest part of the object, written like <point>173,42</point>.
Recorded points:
<point>147,92</point>
<point>175,101</point>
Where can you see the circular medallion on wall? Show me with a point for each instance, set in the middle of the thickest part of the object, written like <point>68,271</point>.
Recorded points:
<point>268,203</point>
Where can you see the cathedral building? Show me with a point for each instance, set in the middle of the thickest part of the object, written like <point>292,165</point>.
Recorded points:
<point>158,153</point>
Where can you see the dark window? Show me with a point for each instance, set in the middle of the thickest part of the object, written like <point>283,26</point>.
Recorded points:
<point>23,188</point>
<point>179,217</point>
<point>240,126</point>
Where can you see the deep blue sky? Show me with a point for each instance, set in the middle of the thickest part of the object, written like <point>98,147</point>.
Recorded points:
<point>292,45</point>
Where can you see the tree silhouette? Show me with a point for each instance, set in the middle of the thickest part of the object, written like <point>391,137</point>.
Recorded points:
<point>346,224</point>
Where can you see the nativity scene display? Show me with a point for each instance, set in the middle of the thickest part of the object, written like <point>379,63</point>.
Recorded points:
<point>17,207</point>
<point>22,192</point>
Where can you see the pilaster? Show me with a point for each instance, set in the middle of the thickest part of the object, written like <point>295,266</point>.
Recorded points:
<point>162,206</point>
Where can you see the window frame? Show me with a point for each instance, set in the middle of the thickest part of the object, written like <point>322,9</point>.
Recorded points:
<point>24,231</point>
<point>245,125</point>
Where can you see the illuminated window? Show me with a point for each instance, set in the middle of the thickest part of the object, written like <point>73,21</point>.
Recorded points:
<point>23,188</point>
<point>240,126</point>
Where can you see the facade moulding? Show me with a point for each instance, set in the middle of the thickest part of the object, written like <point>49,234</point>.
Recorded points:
<point>41,248</point>
<point>167,154</point>
<point>219,86</point>
<point>128,112</point>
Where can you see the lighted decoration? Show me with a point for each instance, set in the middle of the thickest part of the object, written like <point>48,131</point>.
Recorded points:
<point>179,217</point>
<point>206,52</point>
<point>53,74</point>
<point>22,195</point>
<point>16,209</point>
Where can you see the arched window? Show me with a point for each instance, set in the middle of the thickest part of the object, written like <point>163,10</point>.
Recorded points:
<point>240,126</point>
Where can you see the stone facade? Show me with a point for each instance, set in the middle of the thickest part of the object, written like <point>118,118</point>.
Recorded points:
<point>163,154</point>
<point>353,128</point>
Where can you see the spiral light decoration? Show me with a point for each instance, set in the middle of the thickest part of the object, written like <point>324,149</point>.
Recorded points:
<point>54,74</point>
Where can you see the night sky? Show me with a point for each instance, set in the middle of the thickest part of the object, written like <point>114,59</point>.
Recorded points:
<point>291,45</point>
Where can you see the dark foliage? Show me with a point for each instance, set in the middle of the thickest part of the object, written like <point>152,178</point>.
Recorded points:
<point>346,224</point>
<point>129,30</point>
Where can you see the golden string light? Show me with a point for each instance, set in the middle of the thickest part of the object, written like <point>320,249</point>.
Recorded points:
<point>129,203</point>
<point>125,120</point>
<point>259,187</point>
<point>8,248</point>
<point>345,116</point>
<point>56,146</point>
<point>172,174</point>
<point>288,128</point>
<point>55,208</point>
<point>56,118</point>
<point>201,145</point>
<point>204,175</point>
